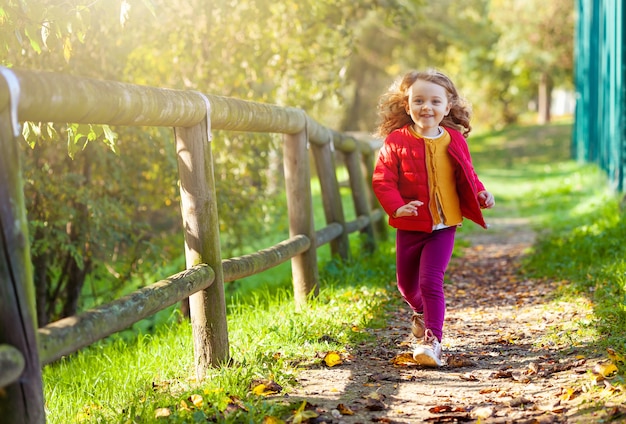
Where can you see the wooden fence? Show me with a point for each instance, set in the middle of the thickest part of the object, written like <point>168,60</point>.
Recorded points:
<point>48,97</point>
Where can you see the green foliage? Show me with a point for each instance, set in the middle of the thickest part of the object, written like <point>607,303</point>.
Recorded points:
<point>331,58</point>
<point>114,215</point>
<point>111,216</point>
<point>269,340</point>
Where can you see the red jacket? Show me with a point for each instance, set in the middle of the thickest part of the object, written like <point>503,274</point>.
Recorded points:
<point>400,176</point>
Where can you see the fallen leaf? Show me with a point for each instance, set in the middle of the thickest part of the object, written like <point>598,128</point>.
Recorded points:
<point>615,356</point>
<point>439,409</point>
<point>482,412</point>
<point>468,377</point>
<point>162,413</point>
<point>606,370</point>
<point>302,414</point>
<point>533,368</point>
<point>344,410</point>
<point>196,400</point>
<point>234,405</point>
<point>332,359</point>
<point>374,405</point>
<point>375,396</point>
<point>404,359</point>
<point>520,377</point>
<point>569,393</point>
<point>518,401</point>
<point>502,374</point>
<point>265,387</point>
<point>458,361</point>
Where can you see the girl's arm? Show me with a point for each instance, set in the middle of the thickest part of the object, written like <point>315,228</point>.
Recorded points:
<point>385,181</point>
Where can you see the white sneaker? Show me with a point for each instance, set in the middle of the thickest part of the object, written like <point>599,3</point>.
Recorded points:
<point>428,353</point>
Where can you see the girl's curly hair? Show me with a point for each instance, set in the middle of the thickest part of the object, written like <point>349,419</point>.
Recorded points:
<point>392,105</point>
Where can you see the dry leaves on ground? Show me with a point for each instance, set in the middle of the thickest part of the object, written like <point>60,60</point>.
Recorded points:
<point>497,370</point>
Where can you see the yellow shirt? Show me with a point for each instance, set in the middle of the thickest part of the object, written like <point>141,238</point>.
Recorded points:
<point>445,207</point>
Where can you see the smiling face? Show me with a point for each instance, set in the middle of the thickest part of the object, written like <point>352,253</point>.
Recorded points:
<point>427,104</point>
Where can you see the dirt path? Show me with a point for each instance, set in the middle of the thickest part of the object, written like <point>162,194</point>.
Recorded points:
<point>501,365</point>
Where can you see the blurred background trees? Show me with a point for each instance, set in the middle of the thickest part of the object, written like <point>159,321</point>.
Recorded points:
<point>103,203</point>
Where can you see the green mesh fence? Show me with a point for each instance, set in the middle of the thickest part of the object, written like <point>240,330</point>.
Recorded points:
<point>599,131</point>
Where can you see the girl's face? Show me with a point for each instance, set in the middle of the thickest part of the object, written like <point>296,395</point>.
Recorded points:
<point>428,105</point>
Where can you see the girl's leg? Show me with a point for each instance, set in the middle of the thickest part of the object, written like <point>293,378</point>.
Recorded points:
<point>434,259</point>
<point>409,246</point>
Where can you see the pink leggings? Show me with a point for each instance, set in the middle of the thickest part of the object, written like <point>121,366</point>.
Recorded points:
<point>421,261</point>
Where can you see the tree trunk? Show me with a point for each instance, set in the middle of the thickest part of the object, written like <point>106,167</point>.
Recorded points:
<point>544,98</point>
<point>73,287</point>
<point>40,272</point>
<point>79,235</point>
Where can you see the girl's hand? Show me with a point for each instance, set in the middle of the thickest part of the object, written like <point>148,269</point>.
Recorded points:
<point>486,199</point>
<point>410,209</point>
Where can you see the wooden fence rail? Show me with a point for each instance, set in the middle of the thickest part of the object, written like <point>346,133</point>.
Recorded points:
<point>48,97</point>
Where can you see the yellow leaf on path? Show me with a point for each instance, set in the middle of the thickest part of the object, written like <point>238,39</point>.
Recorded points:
<point>162,413</point>
<point>569,393</point>
<point>301,415</point>
<point>344,410</point>
<point>332,358</point>
<point>375,396</point>
<point>405,358</point>
<point>263,390</point>
<point>606,370</point>
<point>259,389</point>
<point>265,387</point>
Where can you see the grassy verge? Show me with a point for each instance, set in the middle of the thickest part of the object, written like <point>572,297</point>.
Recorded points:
<point>582,246</point>
<point>137,378</point>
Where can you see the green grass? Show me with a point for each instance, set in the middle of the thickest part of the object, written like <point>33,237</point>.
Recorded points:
<point>129,377</point>
<point>128,380</point>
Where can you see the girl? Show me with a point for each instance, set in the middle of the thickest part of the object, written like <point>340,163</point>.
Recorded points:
<point>424,179</point>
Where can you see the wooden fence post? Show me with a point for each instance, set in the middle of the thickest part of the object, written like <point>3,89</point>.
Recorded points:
<point>331,197</point>
<point>381,229</point>
<point>359,195</point>
<point>22,400</point>
<point>202,243</point>
<point>300,208</point>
